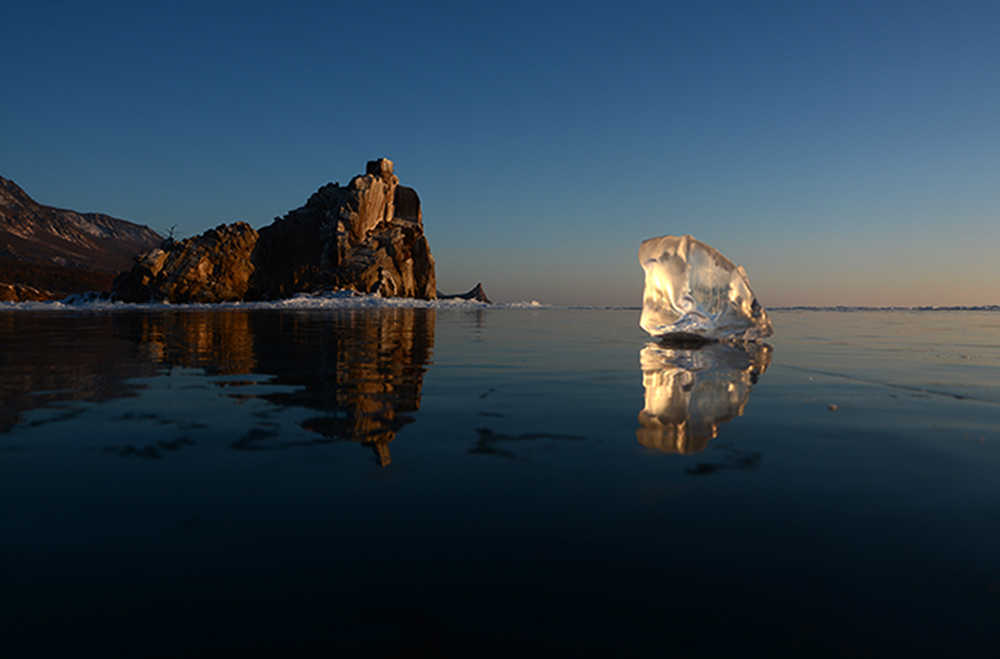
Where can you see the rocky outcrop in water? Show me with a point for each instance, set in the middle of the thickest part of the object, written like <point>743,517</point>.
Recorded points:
<point>22,293</point>
<point>477,294</point>
<point>212,267</point>
<point>367,236</point>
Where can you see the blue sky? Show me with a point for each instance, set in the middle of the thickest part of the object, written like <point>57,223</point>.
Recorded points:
<point>844,153</point>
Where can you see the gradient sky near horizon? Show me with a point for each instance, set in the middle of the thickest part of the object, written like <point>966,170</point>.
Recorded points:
<point>843,152</point>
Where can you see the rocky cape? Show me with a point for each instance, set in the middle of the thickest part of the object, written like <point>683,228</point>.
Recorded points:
<point>367,237</point>
<point>47,253</point>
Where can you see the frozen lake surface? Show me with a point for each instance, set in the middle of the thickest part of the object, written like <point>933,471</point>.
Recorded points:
<point>460,481</point>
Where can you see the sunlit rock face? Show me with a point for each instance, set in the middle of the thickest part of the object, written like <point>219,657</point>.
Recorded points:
<point>690,392</point>
<point>212,267</point>
<point>692,290</point>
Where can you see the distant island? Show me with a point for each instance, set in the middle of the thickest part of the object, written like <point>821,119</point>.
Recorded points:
<point>366,237</point>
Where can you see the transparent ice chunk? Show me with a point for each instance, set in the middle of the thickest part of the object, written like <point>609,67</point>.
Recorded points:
<point>694,291</point>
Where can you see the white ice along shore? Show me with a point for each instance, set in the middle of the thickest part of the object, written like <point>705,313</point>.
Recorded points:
<point>302,301</point>
<point>693,291</point>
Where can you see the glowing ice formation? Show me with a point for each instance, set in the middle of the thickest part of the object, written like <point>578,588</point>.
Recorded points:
<point>693,291</point>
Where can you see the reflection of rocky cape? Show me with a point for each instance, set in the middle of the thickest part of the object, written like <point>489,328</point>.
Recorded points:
<point>47,253</point>
<point>691,391</point>
<point>366,237</point>
<point>360,369</point>
<point>74,368</point>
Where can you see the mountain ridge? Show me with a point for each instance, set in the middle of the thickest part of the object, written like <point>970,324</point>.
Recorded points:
<point>48,252</point>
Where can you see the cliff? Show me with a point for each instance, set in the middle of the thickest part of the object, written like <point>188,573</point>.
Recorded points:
<point>367,237</point>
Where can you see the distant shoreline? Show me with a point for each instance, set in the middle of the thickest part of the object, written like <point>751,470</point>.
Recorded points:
<point>987,307</point>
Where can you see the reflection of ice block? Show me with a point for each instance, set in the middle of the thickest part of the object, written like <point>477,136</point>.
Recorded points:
<point>691,392</point>
<point>692,289</point>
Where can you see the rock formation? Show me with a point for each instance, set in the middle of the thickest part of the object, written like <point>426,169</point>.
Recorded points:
<point>22,293</point>
<point>477,294</point>
<point>367,237</point>
<point>212,267</point>
<point>47,253</point>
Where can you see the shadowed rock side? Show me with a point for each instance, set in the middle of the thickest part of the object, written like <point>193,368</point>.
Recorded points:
<point>366,237</point>
<point>691,391</point>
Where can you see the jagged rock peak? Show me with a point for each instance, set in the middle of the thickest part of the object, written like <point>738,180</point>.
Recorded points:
<point>12,195</point>
<point>381,167</point>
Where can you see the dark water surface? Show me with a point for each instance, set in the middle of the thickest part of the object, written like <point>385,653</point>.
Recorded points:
<point>461,482</point>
